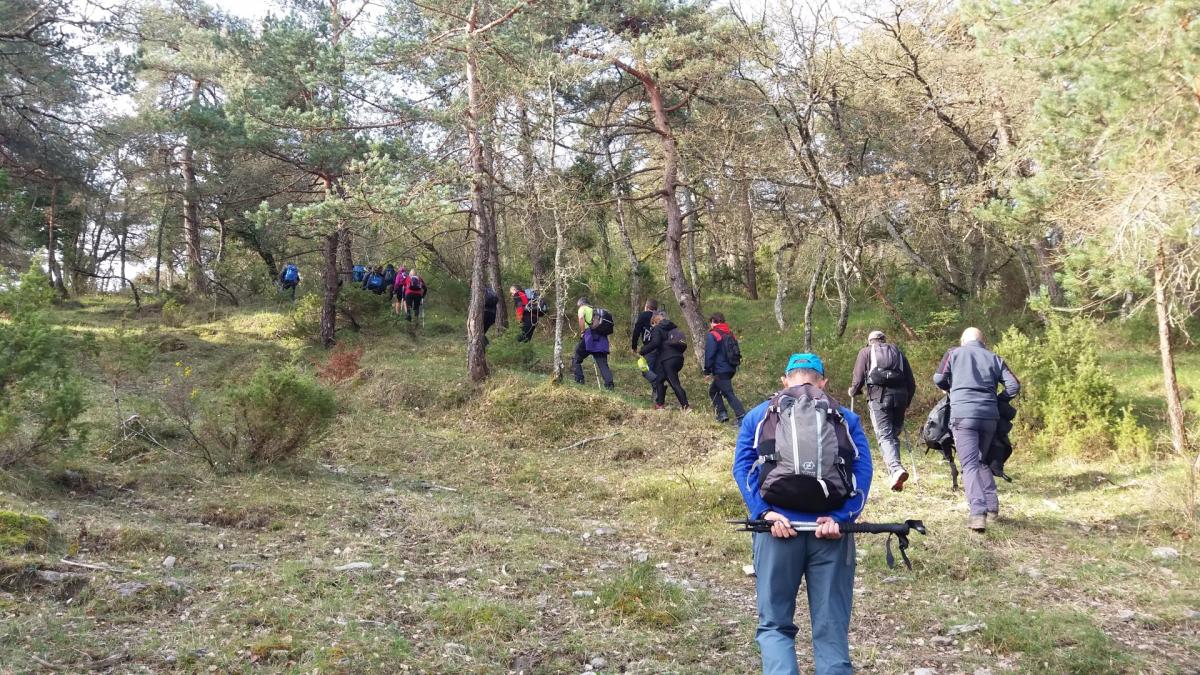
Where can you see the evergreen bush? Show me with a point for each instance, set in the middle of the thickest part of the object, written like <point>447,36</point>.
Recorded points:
<point>41,397</point>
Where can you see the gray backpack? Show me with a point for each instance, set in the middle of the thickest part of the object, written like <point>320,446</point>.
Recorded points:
<point>804,452</point>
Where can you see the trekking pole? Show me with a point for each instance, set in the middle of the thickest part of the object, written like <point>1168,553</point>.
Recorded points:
<point>900,530</point>
<point>596,370</point>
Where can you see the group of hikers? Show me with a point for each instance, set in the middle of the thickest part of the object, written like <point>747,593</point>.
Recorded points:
<point>802,463</point>
<point>405,288</point>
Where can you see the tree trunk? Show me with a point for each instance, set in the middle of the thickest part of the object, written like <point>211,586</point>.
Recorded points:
<point>56,276</point>
<point>533,233</point>
<point>1175,412</point>
<point>693,220</point>
<point>811,301</point>
<point>345,255</point>
<point>330,296</point>
<point>749,249</point>
<point>785,260</point>
<point>162,226</point>
<point>635,278</point>
<point>684,294</point>
<point>477,367</point>
<point>493,230</point>
<point>1046,268</point>
<point>197,281</point>
<point>839,281</point>
<point>560,298</point>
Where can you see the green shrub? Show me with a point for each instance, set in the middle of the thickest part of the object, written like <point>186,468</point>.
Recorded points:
<point>274,416</point>
<point>306,315</point>
<point>1068,402</point>
<point>174,313</point>
<point>40,394</point>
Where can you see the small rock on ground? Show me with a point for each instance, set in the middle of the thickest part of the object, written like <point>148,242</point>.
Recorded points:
<point>924,671</point>
<point>582,594</point>
<point>168,562</point>
<point>350,567</point>
<point>1164,553</point>
<point>598,662</point>
<point>1126,615</point>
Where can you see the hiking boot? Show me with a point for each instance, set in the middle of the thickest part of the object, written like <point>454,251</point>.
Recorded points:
<point>993,517</point>
<point>898,478</point>
<point>977,523</point>
<point>659,406</point>
<point>722,420</point>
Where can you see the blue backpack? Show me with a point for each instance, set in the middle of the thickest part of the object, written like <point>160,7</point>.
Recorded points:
<point>359,272</point>
<point>375,282</point>
<point>291,274</point>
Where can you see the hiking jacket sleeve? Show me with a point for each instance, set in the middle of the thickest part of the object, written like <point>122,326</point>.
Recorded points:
<point>859,376</point>
<point>710,352</point>
<point>910,380</point>
<point>1012,386</point>
<point>744,457</point>
<point>654,344</point>
<point>862,469</point>
<point>941,377</point>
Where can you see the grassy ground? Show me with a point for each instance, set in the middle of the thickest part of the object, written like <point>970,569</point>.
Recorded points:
<point>496,546</point>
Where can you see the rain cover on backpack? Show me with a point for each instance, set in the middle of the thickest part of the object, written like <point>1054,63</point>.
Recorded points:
<point>804,452</point>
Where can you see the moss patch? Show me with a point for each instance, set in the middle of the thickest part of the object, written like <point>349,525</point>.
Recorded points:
<point>23,532</point>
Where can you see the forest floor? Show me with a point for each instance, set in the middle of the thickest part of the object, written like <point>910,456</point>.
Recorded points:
<point>497,542</point>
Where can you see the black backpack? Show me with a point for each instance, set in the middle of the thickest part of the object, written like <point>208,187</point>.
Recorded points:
<point>733,350</point>
<point>602,321</point>
<point>676,339</point>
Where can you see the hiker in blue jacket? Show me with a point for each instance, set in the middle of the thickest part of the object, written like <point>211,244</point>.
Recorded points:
<point>783,557</point>
<point>972,373</point>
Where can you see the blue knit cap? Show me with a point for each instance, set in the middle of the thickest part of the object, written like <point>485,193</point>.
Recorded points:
<point>808,361</point>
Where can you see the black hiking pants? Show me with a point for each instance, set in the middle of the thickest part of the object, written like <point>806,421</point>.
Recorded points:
<point>412,304</point>
<point>528,323</point>
<point>668,373</point>
<point>601,359</point>
<point>722,388</point>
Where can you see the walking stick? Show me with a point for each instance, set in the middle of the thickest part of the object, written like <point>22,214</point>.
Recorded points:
<point>596,370</point>
<point>900,530</point>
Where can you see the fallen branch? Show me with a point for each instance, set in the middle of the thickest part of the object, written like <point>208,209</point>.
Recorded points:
<point>103,663</point>
<point>90,566</point>
<point>587,440</point>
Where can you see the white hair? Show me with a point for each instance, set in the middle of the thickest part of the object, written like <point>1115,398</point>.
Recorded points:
<point>971,334</point>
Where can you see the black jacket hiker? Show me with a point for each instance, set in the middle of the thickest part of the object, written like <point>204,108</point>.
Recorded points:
<point>668,361</point>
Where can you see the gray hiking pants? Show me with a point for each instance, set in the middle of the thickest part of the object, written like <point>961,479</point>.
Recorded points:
<point>971,435</point>
<point>888,422</point>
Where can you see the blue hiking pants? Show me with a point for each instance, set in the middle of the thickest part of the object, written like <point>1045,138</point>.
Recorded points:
<point>827,565</point>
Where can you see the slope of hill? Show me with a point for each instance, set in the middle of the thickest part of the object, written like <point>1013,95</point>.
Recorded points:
<point>526,527</point>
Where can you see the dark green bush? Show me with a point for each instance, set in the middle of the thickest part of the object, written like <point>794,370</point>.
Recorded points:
<point>274,416</point>
<point>40,394</point>
<point>1068,402</point>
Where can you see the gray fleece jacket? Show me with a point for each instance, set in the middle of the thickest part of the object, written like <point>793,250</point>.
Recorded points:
<point>971,374</point>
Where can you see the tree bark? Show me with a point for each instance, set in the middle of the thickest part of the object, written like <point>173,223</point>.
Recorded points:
<point>533,233</point>
<point>635,278</point>
<point>493,230</point>
<point>197,281</point>
<point>785,260</point>
<point>1046,269</point>
<point>693,220</point>
<point>162,226</point>
<point>560,298</point>
<point>56,276</point>
<point>749,249</point>
<point>345,255</point>
<point>811,301</point>
<point>1175,412</point>
<point>839,281</point>
<point>477,367</point>
<point>330,296</point>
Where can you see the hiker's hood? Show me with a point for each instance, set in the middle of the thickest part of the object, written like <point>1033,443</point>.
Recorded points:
<point>665,325</point>
<point>722,328</point>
